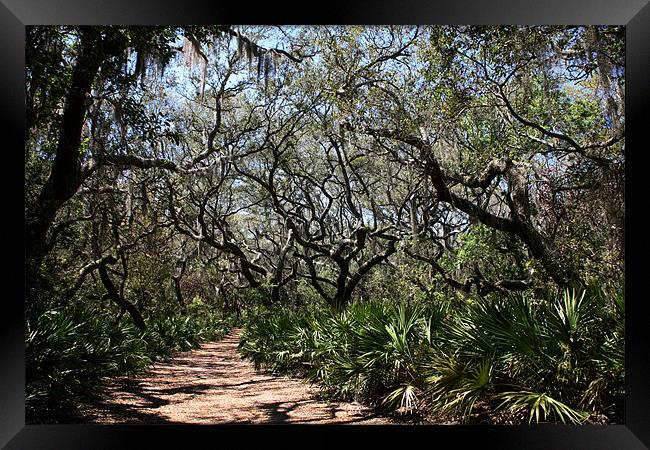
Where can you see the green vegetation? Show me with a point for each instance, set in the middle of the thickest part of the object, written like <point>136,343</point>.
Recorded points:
<point>71,351</point>
<point>558,360</point>
<point>427,218</point>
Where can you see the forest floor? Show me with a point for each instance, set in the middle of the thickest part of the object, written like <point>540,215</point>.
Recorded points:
<point>213,385</point>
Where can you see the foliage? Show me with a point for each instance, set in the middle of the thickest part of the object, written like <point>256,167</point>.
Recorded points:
<point>71,350</point>
<point>552,358</point>
<point>392,209</point>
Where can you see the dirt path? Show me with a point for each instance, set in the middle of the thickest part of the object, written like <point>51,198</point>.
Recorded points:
<point>213,385</point>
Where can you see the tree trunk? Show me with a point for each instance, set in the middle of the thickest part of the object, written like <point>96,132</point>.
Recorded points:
<point>176,278</point>
<point>113,294</point>
<point>65,178</point>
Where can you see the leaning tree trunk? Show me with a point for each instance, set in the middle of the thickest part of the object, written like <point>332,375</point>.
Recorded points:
<point>113,294</point>
<point>176,278</point>
<point>519,224</point>
<point>65,177</point>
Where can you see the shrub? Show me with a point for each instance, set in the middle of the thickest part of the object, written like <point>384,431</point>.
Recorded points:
<point>70,350</point>
<point>557,359</point>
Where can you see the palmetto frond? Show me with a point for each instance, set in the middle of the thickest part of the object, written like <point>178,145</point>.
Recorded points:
<point>540,406</point>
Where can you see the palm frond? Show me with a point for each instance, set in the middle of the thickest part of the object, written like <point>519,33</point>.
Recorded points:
<point>541,406</point>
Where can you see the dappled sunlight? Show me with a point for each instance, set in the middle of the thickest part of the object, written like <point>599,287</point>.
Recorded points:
<point>213,385</point>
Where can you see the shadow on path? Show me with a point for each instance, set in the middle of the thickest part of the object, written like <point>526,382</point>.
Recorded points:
<point>213,385</point>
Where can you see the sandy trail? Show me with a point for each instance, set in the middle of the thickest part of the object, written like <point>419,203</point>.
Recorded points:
<point>213,385</point>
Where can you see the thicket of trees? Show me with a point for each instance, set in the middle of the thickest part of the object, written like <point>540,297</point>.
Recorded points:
<point>234,166</point>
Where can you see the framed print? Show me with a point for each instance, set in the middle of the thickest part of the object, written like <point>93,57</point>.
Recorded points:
<point>423,208</point>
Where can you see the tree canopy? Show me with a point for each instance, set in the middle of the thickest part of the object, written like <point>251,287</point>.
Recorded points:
<point>172,172</point>
<point>289,158</point>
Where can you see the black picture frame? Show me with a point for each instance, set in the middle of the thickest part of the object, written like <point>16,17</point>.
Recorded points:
<point>16,14</point>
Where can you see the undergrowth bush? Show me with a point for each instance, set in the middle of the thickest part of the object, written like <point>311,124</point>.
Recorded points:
<point>70,350</point>
<point>558,359</point>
